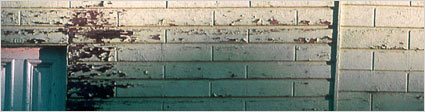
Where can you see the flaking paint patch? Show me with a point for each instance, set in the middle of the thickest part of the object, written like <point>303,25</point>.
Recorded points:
<point>156,37</point>
<point>88,71</point>
<point>206,35</point>
<point>89,4</point>
<point>115,71</point>
<point>324,39</point>
<point>33,35</point>
<point>255,17</point>
<point>93,89</point>
<point>324,22</point>
<point>297,35</point>
<point>93,35</point>
<point>115,35</point>
<point>46,17</point>
<point>305,22</point>
<point>384,46</point>
<point>84,52</point>
<point>95,18</point>
<point>153,17</point>
<point>9,17</point>
<point>90,89</point>
<point>315,16</point>
<point>312,52</point>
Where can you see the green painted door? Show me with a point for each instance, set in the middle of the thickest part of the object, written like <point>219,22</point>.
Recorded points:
<point>33,78</point>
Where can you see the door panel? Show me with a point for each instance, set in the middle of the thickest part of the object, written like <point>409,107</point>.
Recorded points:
<point>54,64</point>
<point>7,84</point>
<point>37,90</point>
<point>30,82</point>
<point>46,85</point>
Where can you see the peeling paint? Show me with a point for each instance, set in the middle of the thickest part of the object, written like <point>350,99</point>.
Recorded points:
<point>273,21</point>
<point>33,35</point>
<point>81,53</point>
<point>206,35</point>
<point>155,37</point>
<point>82,71</point>
<point>305,22</point>
<point>93,18</point>
<point>235,21</point>
<point>324,22</point>
<point>384,46</point>
<point>325,39</point>
<point>85,105</point>
<point>91,89</point>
